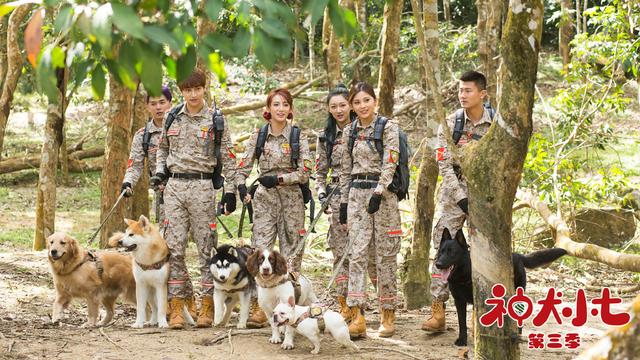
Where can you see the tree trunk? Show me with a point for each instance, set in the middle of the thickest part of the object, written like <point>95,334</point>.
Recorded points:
<point>13,66</point>
<point>138,204</point>
<point>489,29</point>
<point>31,162</point>
<point>493,181</point>
<point>417,278</point>
<point>584,20</point>
<point>326,35</point>
<point>64,157</point>
<point>619,343</point>
<point>46,188</point>
<point>446,4</point>
<point>334,72</point>
<point>578,17</point>
<point>312,53</point>
<point>432,45</point>
<point>115,158</point>
<point>566,33</point>
<point>389,56</point>
<point>361,14</point>
<point>3,49</point>
<point>204,26</point>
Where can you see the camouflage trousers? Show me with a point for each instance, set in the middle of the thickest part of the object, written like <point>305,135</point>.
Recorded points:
<point>279,212</point>
<point>380,231</point>
<point>189,206</point>
<point>452,220</point>
<point>338,239</point>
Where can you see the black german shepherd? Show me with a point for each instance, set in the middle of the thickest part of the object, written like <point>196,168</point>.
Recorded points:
<point>454,257</point>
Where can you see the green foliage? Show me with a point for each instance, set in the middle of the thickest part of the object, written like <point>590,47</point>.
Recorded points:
<point>458,49</point>
<point>133,41</point>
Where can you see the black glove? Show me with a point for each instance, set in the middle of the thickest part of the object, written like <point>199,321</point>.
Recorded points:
<point>126,187</point>
<point>242,191</point>
<point>374,203</point>
<point>343,213</point>
<point>229,202</point>
<point>322,196</point>
<point>268,181</point>
<point>464,205</point>
<point>157,179</point>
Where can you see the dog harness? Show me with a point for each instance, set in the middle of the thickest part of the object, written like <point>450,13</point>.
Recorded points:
<point>154,266</point>
<point>293,277</point>
<point>314,312</point>
<point>93,257</point>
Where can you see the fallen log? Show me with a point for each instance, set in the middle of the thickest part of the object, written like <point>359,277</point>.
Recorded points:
<point>33,161</point>
<point>562,232</point>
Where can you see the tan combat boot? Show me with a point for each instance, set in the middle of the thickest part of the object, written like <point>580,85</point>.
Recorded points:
<point>358,325</point>
<point>436,322</point>
<point>176,319</point>
<point>192,308</point>
<point>387,319</point>
<point>205,317</point>
<point>257,317</point>
<point>344,308</point>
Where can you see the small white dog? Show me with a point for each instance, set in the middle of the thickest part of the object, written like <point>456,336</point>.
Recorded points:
<point>310,321</point>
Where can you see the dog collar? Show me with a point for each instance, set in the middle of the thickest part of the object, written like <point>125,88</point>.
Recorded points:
<point>89,256</point>
<point>235,290</point>
<point>314,312</point>
<point>154,266</point>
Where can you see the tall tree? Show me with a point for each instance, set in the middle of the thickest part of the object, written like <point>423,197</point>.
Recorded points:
<point>115,157</point>
<point>361,13</point>
<point>432,41</point>
<point>13,68</point>
<point>494,180</point>
<point>417,281</point>
<point>489,27</point>
<point>138,204</point>
<point>566,32</point>
<point>389,58</point>
<point>204,26</point>
<point>46,188</point>
<point>334,70</point>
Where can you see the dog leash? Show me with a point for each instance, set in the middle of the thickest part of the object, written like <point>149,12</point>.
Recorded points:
<point>107,217</point>
<point>324,207</point>
<point>244,210</point>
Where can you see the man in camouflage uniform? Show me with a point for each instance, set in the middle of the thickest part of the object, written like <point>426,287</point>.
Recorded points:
<point>278,203</point>
<point>452,199</point>
<point>186,158</point>
<point>157,106</point>
<point>372,215</point>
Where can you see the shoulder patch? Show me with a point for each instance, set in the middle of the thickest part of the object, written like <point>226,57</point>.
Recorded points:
<point>141,130</point>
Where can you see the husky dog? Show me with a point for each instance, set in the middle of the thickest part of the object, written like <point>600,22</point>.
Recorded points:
<point>311,321</point>
<point>150,270</point>
<point>232,283</point>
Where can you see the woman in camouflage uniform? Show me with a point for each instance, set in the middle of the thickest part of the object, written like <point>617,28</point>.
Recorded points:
<point>278,201</point>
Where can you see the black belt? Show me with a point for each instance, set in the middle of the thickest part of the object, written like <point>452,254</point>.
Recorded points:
<point>363,184</point>
<point>366,177</point>
<point>196,176</point>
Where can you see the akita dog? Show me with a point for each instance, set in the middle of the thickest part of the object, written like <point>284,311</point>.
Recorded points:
<point>150,270</point>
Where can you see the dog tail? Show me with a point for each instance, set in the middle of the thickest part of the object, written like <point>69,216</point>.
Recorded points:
<point>542,257</point>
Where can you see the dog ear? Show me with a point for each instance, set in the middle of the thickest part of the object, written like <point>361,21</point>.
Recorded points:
<point>233,252</point>
<point>144,222</point>
<point>461,239</point>
<point>126,221</point>
<point>252,264</point>
<point>72,246</point>
<point>446,235</point>
<point>280,267</point>
<point>213,253</point>
<point>291,301</point>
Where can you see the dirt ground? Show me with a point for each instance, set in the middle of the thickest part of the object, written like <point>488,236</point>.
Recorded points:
<point>26,331</point>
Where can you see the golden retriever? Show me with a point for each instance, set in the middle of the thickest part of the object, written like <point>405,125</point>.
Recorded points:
<point>95,277</point>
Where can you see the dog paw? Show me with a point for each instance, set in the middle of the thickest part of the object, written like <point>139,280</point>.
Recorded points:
<point>242,326</point>
<point>137,325</point>
<point>287,345</point>
<point>315,351</point>
<point>275,340</point>
<point>461,342</point>
<point>163,325</point>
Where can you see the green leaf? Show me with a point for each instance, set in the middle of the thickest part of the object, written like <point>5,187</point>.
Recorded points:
<point>127,20</point>
<point>315,8</point>
<point>212,8</point>
<point>101,25</point>
<point>170,65</point>
<point>64,19</point>
<point>80,70</point>
<point>98,82</point>
<point>162,36</point>
<point>46,75</point>
<point>216,65</point>
<point>57,58</point>
<point>151,74</point>
<point>274,30</point>
<point>8,7</point>
<point>242,42</point>
<point>263,46</point>
<point>217,41</point>
<point>343,20</point>
<point>186,64</point>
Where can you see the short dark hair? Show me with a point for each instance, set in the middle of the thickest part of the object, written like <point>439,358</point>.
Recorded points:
<point>166,92</point>
<point>282,92</point>
<point>476,77</point>
<point>196,79</point>
<point>359,87</point>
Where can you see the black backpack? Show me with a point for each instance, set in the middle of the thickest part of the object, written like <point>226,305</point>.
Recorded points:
<point>401,177</point>
<point>458,127</point>
<point>217,129</point>
<point>294,142</point>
